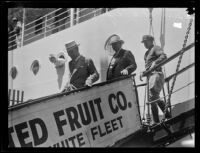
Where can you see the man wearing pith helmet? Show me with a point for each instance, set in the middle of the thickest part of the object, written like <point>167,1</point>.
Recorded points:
<point>122,62</point>
<point>153,56</point>
<point>82,70</point>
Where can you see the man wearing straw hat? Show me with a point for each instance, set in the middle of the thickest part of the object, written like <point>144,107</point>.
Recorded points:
<point>82,70</point>
<point>122,62</point>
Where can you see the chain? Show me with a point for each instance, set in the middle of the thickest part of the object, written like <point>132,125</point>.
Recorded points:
<point>178,65</point>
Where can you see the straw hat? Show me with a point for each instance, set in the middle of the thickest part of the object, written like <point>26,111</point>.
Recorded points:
<point>71,44</point>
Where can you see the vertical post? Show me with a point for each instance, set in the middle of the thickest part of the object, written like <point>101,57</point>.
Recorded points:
<point>95,12</point>
<point>148,105</point>
<point>163,89</point>
<point>9,96</point>
<point>137,98</point>
<point>45,25</point>
<point>71,17</point>
<point>77,15</point>
<point>23,27</point>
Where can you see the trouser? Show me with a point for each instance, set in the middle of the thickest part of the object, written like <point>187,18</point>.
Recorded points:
<point>156,82</point>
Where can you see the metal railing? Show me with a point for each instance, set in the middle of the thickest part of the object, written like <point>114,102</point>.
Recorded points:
<point>15,97</point>
<point>167,80</point>
<point>53,22</point>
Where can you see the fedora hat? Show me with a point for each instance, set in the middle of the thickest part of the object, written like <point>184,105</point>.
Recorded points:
<point>115,38</point>
<point>71,44</point>
<point>147,37</point>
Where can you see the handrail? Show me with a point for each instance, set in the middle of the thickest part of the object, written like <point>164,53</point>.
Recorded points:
<point>42,17</point>
<point>87,14</point>
<point>34,26</point>
<point>33,101</point>
<point>57,21</point>
<point>82,10</point>
<point>14,45</point>
<point>34,36</point>
<point>51,29</point>
<point>150,102</point>
<point>25,40</point>
<point>93,11</point>
<point>169,59</point>
<point>171,76</point>
<point>58,15</point>
<point>33,32</point>
<point>179,72</point>
<point>11,41</point>
<point>11,32</point>
<point>31,27</point>
<point>12,36</point>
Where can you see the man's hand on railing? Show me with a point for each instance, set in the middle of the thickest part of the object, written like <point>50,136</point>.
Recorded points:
<point>124,72</point>
<point>141,75</point>
<point>69,87</point>
<point>152,65</point>
<point>88,82</point>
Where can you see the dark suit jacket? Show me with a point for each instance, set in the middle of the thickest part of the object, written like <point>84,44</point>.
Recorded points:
<point>81,70</point>
<point>123,60</point>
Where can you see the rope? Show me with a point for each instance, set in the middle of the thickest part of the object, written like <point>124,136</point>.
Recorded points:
<point>162,41</point>
<point>151,23</point>
<point>162,35</point>
<point>178,65</point>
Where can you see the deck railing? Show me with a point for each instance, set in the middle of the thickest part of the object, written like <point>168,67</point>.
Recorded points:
<point>53,22</point>
<point>167,80</point>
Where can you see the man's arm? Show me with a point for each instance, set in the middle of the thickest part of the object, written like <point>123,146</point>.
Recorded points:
<point>160,53</point>
<point>94,75</point>
<point>133,66</point>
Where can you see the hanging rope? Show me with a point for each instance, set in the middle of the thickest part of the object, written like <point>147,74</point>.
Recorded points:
<point>162,29</point>
<point>151,23</point>
<point>162,42</point>
<point>162,34</point>
<point>178,65</point>
<point>145,89</point>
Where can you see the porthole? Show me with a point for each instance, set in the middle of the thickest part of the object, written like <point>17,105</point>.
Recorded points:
<point>13,72</point>
<point>35,67</point>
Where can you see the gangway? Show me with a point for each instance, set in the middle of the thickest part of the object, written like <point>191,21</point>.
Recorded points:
<point>168,131</point>
<point>106,114</point>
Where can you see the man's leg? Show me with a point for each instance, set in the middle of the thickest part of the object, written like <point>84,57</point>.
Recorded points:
<point>154,108</point>
<point>162,104</point>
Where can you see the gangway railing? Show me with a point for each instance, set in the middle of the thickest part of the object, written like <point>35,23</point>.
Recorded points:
<point>146,73</point>
<point>169,59</point>
<point>53,22</point>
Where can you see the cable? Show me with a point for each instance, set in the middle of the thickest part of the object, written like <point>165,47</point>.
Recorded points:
<point>171,93</point>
